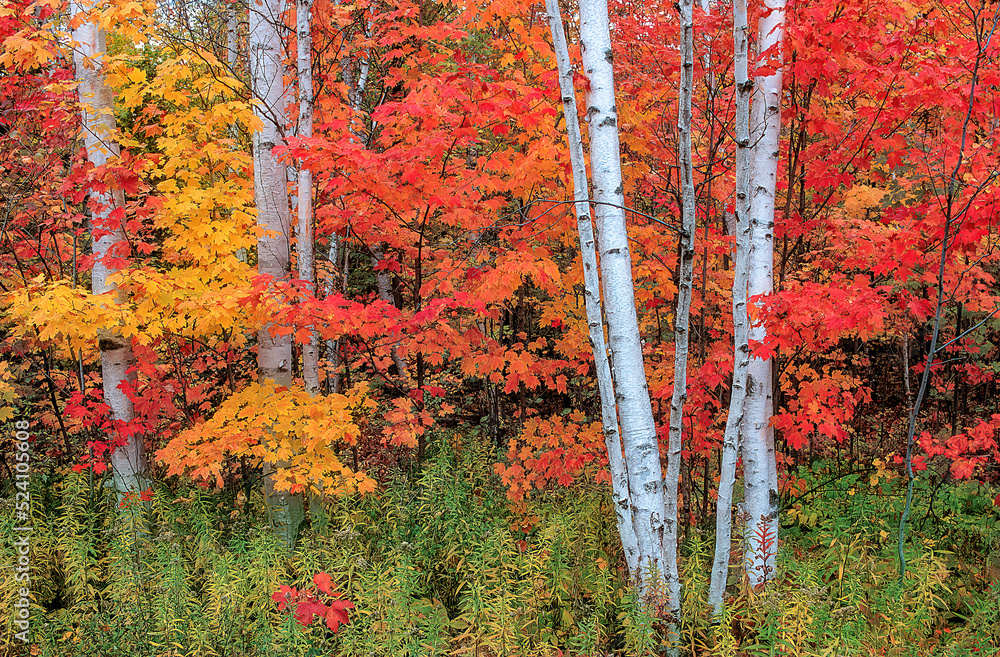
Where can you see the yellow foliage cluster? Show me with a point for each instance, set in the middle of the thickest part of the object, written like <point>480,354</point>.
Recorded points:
<point>275,425</point>
<point>861,198</point>
<point>202,206</point>
<point>8,394</point>
<point>64,318</point>
<point>128,19</point>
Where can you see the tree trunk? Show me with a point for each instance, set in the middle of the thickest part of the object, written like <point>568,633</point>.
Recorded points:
<point>128,460</point>
<point>333,346</point>
<point>274,353</point>
<point>741,351</point>
<point>383,282</point>
<point>306,248</point>
<point>759,469</point>
<point>232,41</point>
<point>355,95</point>
<point>635,414</point>
<point>682,322</point>
<point>592,291</point>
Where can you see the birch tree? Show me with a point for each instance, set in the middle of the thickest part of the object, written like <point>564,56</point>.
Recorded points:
<point>306,247</point>
<point>274,353</point>
<point>682,323</point>
<point>741,351</point>
<point>635,414</point>
<point>759,469</point>
<point>128,460</point>
<point>232,39</point>
<point>592,290</point>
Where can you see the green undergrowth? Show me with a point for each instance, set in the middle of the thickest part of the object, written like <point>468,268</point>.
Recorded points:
<point>444,564</point>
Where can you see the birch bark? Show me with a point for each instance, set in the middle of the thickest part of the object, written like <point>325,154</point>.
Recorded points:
<point>682,322</point>
<point>128,461</point>
<point>759,468</point>
<point>741,351</point>
<point>592,291</point>
<point>635,414</point>
<point>232,40</point>
<point>306,249</point>
<point>274,353</point>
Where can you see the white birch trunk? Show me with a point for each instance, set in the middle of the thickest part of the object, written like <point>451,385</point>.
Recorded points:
<point>592,291</point>
<point>274,354</point>
<point>128,461</point>
<point>681,332</point>
<point>635,414</point>
<point>741,352</point>
<point>759,468</point>
<point>305,244</point>
<point>359,90</point>
<point>356,91</point>
<point>232,41</point>
<point>306,250</point>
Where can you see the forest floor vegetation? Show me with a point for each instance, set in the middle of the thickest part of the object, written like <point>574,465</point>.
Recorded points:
<point>442,563</point>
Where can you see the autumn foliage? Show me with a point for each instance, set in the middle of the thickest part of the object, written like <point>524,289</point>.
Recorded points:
<point>445,174</point>
<point>307,605</point>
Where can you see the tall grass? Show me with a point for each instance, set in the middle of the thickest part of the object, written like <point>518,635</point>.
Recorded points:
<point>443,564</point>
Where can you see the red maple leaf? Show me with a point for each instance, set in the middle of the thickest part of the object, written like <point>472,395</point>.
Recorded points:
<point>324,583</point>
<point>306,610</point>
<point>336,614</point>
